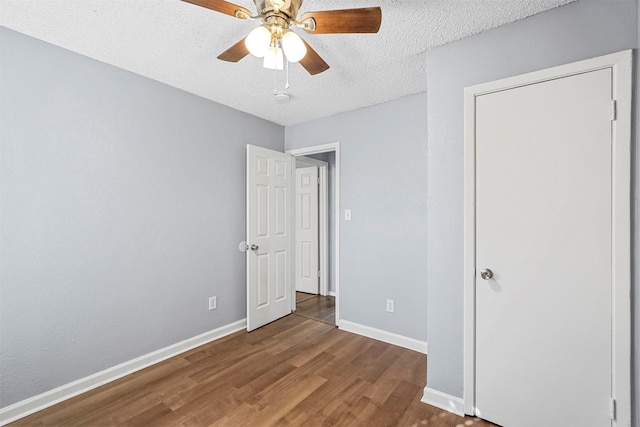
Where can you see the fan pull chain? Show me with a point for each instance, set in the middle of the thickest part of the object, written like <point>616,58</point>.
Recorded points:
<point>286,86</point>
<point>275,81</point>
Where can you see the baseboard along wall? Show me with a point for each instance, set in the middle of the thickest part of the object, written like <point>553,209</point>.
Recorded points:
<point>37,403</point>
<point>384,336</point>
<point>444,401</point>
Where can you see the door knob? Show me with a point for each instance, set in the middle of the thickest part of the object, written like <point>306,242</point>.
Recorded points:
<point>486,273</point>
<point>254,247</point>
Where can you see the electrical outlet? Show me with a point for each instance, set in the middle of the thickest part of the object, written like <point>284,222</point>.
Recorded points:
<point>213,303</point>
<point>390,305</point>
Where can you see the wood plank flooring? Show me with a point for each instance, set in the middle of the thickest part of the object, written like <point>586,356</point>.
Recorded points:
<point>303,296</point>
<point>292,372</point>
<point>318,307</point>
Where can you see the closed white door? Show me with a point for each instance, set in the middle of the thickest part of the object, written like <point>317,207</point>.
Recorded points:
<point>269,235</point>
<point>307,278</point>
<point>543,228</point>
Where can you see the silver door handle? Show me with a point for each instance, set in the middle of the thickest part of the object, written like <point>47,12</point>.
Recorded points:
<point>486,273</point>
<point>254,247</point>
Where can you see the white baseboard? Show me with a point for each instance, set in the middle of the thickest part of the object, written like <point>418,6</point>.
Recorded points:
<point>332,294</point>
<point>34,404</point>
<point>443,401</point>
<point>380,335</point>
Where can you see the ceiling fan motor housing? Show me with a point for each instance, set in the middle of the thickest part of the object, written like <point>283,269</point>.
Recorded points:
<point>286,7</point>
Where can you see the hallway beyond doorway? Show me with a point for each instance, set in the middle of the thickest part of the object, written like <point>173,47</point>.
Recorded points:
<point>316,307</point>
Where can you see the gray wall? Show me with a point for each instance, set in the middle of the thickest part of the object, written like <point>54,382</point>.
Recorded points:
<point>383,182</point>
<point>577,31</point>
<point>122,208</point>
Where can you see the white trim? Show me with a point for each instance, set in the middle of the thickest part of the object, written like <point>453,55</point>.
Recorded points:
<point>384,336</point>
<point>331,294</point>
<point>621,244</point>
<point>327,148</point>
<point>444,401</point>
<point>621,66</point>
<point>469,233</point>
<point>37,403</point>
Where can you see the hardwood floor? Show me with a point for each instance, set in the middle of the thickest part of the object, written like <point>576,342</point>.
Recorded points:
<point>292,372</point>
<point>302,296</point>
<point>317,307</point>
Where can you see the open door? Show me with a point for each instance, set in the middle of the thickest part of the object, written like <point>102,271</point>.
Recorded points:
<point>269,235</point>
<point>307,238</point>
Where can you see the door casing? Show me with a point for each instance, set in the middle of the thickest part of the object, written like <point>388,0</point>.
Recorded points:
<point>621,67</point>
<point>335,253</point>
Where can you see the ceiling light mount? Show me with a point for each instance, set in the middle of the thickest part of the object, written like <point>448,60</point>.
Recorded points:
<point>287,7</point>
<point>282,97</point>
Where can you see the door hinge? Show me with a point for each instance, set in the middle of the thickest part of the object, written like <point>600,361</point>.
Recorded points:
<point>614,110</point>
<point>318,273</point>
<point>612,409</point>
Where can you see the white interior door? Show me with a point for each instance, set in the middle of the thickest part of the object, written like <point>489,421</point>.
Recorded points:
<point>307,236</point>
<point>269,235</point>
<point>543,226</point>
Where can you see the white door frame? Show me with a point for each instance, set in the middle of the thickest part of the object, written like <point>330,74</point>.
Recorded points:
<point>621,67</point>
<point>323,220</point>
<point>318,149</point>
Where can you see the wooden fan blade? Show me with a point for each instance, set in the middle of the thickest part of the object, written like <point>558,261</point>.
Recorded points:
<point>365,20</point>
<point>312,62</point>
<point>235,53</point>
<point>223,6</point>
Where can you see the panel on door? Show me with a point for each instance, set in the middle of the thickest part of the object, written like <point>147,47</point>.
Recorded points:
<point>307,237</point>
<point>543,228</point>
<point>269,235</point>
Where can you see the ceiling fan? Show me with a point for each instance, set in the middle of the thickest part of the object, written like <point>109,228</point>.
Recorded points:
<point>274,37</point>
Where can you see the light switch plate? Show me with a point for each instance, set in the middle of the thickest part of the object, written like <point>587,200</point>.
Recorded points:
<point>347,214</point>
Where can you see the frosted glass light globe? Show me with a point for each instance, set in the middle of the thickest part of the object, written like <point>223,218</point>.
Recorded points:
<point>258,41</point>
<point>293,46</point>
<point>273,59</point>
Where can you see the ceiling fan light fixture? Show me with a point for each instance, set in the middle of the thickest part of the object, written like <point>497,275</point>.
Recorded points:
<point>258,41</point>
<point>273,59</point>
<point>293,46</point>
<point>274,39</point>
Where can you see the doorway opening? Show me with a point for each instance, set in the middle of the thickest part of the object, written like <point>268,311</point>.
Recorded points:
<point>316,307</point>
<point>316,294</point>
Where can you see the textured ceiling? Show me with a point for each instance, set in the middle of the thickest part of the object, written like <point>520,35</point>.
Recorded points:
<point>177,43</point>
